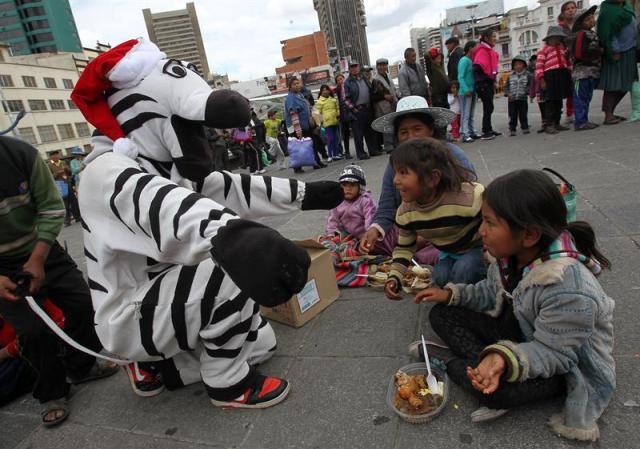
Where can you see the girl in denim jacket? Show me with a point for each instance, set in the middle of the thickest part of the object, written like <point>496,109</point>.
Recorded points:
<point>540,325</point>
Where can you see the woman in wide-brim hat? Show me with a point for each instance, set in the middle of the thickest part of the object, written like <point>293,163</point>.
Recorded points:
<point>413,119</point>
<point>618,34</point>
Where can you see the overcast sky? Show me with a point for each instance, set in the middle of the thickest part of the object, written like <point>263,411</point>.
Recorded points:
<point>242,37</point>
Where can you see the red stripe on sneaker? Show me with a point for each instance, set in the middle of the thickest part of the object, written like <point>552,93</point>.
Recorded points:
<point>270,384</point>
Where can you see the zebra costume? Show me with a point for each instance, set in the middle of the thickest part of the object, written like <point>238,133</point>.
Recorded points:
<point>176,268</point>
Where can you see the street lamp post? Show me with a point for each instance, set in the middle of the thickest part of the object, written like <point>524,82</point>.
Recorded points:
<point>473,20</point>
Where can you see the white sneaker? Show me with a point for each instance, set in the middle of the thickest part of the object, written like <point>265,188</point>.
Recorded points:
<point>261,171</point>
<point>329,160</point>
<point>337,158</point>
<point>484,414</point>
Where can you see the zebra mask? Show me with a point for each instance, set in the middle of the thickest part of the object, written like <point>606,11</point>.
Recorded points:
<point>154,109</point>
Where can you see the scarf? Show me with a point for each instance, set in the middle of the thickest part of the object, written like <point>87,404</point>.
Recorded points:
<point>612,19</point>
<point>563,246</point>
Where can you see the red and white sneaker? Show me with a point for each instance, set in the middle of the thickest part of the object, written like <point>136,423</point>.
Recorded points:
<point>265,392</point>
<point>143,383</point>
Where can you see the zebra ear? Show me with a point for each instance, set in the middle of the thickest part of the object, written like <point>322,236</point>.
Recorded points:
<point>125,147</point>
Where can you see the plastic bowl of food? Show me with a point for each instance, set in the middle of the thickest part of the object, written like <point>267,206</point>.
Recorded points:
<point>420,407</point>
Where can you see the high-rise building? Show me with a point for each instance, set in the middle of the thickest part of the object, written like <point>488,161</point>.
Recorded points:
<point>177,33</point>
<point>38,26</point>
<point>304,52</point>
<point>344,24</point>
<point>422,39</point>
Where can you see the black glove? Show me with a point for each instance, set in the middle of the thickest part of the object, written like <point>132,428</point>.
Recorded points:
<point>262,263</point>
<point>322,195</point>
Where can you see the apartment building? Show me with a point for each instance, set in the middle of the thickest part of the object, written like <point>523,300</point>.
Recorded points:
<point>41,86</point>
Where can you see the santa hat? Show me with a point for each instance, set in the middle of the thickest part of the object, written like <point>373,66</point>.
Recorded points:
<point>122,67</point>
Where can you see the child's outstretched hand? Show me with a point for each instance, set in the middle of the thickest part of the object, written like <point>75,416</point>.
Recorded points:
<point>433,295</point>
<point>486,377</point>
<point>391,290</point>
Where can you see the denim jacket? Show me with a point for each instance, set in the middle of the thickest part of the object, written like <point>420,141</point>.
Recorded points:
<point>390,199</point>
<point>566,319</point>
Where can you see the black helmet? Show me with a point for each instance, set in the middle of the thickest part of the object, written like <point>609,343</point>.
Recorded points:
<point>353,173</point>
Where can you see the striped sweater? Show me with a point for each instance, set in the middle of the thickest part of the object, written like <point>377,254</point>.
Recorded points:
<point>30,206</point>
<point>450,223</point>
<point>551,58</point>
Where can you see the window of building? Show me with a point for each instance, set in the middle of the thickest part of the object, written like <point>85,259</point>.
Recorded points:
<point>13,105</point>
<point>579,4</point>
<point>40,38</point>
<point>56,104</point>
<point>8,20</point>
<point>550,12</point>
<point>10,34</point>
<point>68,84</point>
<point>47,133</point>
<point>505,50</point>
<point>66,131</point>
<point>50,82</point>
<point>32,12</point>
<point>37,105</point>
<point>528,37</point>
<point>7,6</point>
<point>71,104</point>
<point>83,129</point>
<point>22,2</point>
<point>29,81</point>
<point>6,81</point>
<point>28,135</point>
<point>37,24</point>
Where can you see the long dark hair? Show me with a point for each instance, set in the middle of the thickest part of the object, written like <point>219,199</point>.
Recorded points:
<point>528,199</point>
<point>323,87</point>
<point>426,119</point>
<point>423,156</point>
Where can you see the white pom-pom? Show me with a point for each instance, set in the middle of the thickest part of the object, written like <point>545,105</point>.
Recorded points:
<point>125,147</point>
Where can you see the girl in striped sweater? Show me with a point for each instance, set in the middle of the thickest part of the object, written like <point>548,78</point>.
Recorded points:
<point>440,203</point>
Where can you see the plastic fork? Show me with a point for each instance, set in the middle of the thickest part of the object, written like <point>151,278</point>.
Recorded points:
<point>431,379</point>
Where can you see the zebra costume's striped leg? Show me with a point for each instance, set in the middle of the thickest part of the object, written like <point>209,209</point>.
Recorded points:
<point>198,309</point>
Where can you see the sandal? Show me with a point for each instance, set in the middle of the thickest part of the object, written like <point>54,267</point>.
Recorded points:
<point>619,117</point>
<point>57,405</point>
<point>99,370</point>
<point>613,121</point>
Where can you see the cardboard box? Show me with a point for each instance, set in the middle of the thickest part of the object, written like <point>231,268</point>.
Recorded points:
<point>318,293</point>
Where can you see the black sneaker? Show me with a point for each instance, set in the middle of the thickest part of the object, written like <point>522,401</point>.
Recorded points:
<point>487,136</point>
<point>348,157</point>
<point>475,137</point>
<point>526,131</point>
<point>144,383</point>
<point>265,392</point>
<point>496,133</point>
<point>512,133</point>
<point>363,157</point>
<point>468,140</point>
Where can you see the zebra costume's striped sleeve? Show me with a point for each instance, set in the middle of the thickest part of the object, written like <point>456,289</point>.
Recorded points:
<point>254,197</point>
<point>150,215</point>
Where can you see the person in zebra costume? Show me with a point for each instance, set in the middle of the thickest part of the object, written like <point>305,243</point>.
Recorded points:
<point>177,268</point>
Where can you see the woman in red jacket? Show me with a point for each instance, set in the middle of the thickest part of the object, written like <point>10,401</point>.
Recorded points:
<point>485,70</point>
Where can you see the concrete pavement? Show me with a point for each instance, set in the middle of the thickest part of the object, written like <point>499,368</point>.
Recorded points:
<point>341,362</point>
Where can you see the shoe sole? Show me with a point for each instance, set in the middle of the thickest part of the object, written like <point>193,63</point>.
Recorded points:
<point>136,390</point>
<point>267,404</point>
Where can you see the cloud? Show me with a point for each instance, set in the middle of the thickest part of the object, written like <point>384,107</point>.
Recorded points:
<point>242,37</point>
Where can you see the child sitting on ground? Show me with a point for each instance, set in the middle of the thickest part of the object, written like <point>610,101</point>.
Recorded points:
<point>516,89</point>
<point>440,203</point>
<point>586,54</point>
<point>454,105</point>
<point>355,214</point>
<point>540,326</point>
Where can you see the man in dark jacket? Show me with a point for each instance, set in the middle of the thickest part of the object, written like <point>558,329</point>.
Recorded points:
<point>357,90</point>
<point>455,54</point>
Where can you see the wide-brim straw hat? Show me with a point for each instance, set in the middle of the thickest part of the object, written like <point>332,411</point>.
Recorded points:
<point>555,31</point>
<point>581,16</point>
<point>413,104</point>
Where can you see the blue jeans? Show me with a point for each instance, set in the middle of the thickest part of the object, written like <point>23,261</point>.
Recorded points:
<point>333,140</point>
<point>582,94</point>
<point>467,109</point>
<point>468,268</point>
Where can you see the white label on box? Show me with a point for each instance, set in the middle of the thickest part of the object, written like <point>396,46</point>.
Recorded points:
<point>308,296</point>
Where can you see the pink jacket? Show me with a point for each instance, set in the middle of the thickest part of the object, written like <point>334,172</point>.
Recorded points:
<point>353,217</point>
<point>487,58</point>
